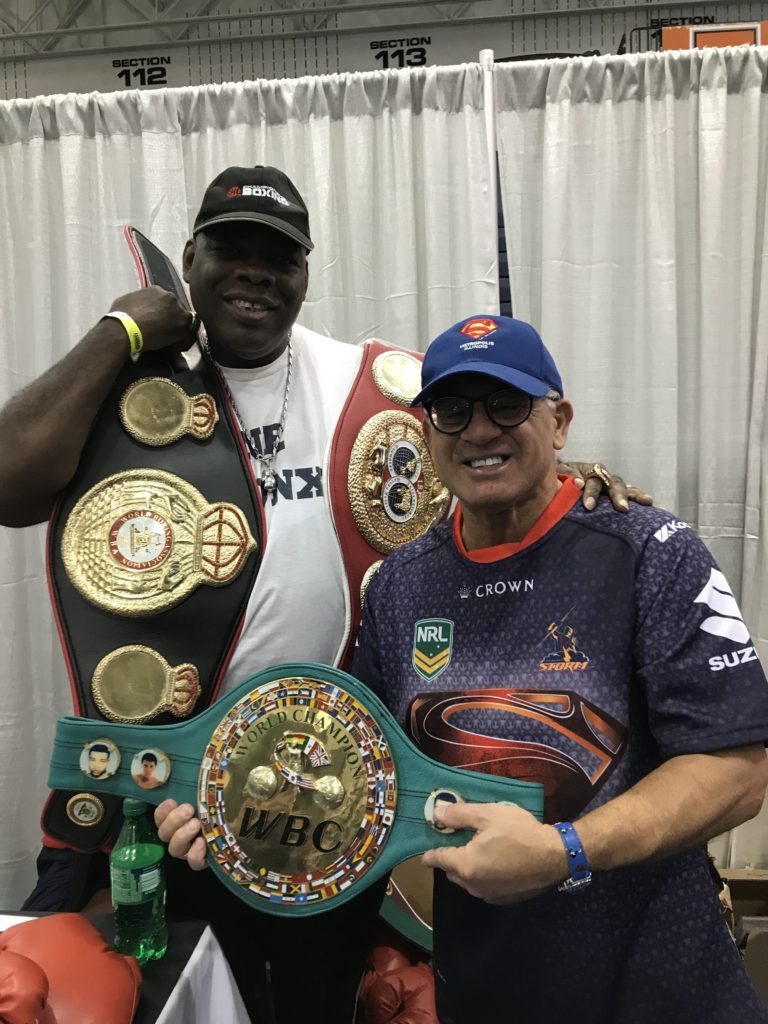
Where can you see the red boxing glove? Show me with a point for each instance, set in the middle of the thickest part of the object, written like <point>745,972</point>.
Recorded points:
<point>59,970</point>
<point>23,991</point>
<point>395,991</point>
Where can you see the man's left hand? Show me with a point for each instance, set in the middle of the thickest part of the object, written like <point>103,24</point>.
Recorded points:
<point>511,857</point>
<point>594,479</point>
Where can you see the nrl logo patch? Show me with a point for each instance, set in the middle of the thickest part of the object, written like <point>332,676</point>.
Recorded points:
<point>432,646</point>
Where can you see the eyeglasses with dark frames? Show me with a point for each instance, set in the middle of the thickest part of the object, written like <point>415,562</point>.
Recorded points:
<point>508,407</point>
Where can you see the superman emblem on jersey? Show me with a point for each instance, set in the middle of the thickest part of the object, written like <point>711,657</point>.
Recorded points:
<point>432,645</point>
<point>555,737</point>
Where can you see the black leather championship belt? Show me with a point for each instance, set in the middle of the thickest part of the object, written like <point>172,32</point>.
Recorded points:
<point>153,551</point>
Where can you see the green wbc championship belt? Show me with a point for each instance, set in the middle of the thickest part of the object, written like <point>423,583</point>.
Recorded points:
<point>307,788</point>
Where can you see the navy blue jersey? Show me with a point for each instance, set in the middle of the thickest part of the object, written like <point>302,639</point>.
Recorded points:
<point>581,661</point>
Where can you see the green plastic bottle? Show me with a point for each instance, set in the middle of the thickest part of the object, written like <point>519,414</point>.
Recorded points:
<point>138,886</point>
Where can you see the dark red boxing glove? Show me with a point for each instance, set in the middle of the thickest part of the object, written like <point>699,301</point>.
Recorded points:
<point>396,991</point>
<point>59,970</point>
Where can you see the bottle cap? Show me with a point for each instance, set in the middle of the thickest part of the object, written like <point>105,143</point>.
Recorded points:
<point>133,808</point>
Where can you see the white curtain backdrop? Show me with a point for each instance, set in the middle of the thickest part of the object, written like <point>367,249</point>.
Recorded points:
<point>393,168</point>
<point>634,194</point>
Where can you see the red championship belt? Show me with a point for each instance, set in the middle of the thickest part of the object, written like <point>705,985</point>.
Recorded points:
<point>383,487</point>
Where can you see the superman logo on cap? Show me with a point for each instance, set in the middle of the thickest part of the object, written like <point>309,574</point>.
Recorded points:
<point>479,328</point>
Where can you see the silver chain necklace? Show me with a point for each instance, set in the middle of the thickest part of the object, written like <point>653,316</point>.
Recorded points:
<point>264,460</point>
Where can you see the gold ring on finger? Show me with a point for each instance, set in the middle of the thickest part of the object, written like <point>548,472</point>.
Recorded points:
<point>601,473</point>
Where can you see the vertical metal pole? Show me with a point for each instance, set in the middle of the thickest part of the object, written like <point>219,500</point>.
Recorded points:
<point>489,109</point>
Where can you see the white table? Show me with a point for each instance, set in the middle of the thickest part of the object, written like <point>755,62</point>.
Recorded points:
<point>206,992</point>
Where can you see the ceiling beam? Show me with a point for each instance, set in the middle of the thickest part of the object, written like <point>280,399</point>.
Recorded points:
<point>69,18</point>
<point>249,16</point>
<point>199,14</point>
<point>150,18</point>
<point>464,13</point>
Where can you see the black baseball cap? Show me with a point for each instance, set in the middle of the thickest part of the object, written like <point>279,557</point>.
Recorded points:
<point>261,195</point>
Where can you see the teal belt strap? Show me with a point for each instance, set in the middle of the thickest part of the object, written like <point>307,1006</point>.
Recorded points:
<point>307,787</point>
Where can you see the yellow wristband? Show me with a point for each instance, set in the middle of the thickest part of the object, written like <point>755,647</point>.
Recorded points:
<point>132,329</point>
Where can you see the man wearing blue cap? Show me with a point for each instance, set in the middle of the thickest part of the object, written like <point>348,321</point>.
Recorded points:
<point>247,269</point>
<point>648,738</point>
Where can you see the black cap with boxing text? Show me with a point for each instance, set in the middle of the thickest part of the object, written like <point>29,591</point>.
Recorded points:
<point>261,195</point>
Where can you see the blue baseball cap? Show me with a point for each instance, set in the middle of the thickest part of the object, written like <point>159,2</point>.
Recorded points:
<point>497,346</point>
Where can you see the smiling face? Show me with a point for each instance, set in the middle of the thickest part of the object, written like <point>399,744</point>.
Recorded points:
<point>504,477</point>
<point>247,282</point>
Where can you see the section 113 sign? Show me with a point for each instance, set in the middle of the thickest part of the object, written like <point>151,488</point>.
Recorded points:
<point>410,52</point>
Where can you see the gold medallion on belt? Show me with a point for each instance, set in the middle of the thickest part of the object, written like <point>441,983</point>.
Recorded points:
<point>135,684</point>
<point>157,412</point>
<point>140,541</point>
<point>85,809</point>
<point>297,791</point>
<point>397,375</point>
<point>393,491</point>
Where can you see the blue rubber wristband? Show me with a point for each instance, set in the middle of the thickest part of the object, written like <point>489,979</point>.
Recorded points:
<point>578,865</point>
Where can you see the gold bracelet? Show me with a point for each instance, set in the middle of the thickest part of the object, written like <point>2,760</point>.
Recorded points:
<point>132,329</point>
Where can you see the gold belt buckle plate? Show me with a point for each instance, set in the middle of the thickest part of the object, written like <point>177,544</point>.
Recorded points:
<point>140,541</point>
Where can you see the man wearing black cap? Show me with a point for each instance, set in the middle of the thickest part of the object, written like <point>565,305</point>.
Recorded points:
<point>246,266</point>
<point>635,698</point>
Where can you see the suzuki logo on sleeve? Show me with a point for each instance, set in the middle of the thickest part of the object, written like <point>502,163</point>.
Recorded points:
<point>727,620</point>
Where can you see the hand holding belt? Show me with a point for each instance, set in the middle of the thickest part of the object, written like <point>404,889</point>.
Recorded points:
<point>307,788</point>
